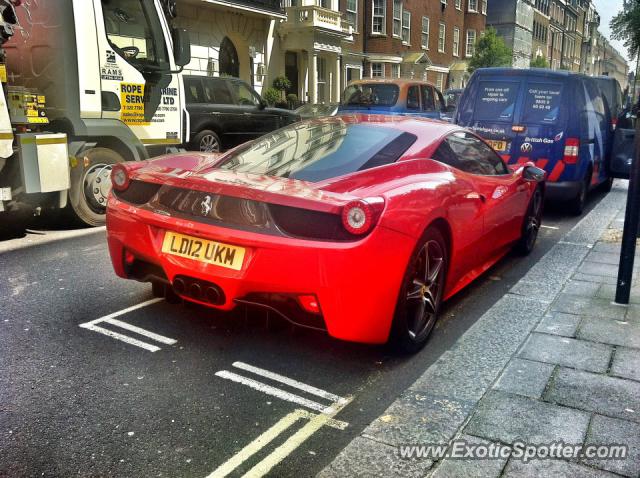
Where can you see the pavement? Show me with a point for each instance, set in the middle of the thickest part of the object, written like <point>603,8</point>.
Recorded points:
<point>97,379</point>
<point>552,361</point>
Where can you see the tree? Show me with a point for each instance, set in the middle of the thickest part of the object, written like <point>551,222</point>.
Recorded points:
<point>625,26</point>
<point>539,62</point>
<point>282,84</point>
<point>271,96</point>
<point>490,50</point>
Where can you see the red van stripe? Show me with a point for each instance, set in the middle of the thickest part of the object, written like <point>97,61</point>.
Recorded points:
<point>542,163</point>
<point>523,160</point>
<point>505,157</point>
<point>557,171</point>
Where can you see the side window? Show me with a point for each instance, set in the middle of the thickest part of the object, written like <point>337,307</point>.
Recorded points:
<point>217,92</point>
<point>413,98</point>
<point>193,90</point>
<point>442,105</point>
<point>469,154</point>
<point>134,31</point>
<point>428,102</point>
<point>243,94</point>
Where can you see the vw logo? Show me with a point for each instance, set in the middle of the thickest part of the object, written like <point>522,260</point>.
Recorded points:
<point>205,206</point>
<point>526,147</point>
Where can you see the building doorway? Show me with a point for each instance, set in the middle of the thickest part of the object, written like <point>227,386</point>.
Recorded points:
<point>228,59</point>
<point>291,70</point>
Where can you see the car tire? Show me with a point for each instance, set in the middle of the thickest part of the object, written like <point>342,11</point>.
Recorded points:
<point>420,293</point>
<point>531,223</point>
<point>607,185</point>
<point>90,186</point>
<point>206,141</point>
<point>577,204</point>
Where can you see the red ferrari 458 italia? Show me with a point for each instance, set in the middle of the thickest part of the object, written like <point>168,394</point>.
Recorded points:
<point>356,225</point>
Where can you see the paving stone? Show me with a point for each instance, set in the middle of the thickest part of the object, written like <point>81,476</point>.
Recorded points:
<point>604,257</point>
<point>615,332</point>
<point>601,394</point>
<point>626,363</point>
<point>418,418</point>
<point>551,469</point>
<point>524,377</point>
<point>508,418</point>
<point>609,431</point>
<point>590,307</point>
<point>592,278</point>
<point>598,269</point>
<point>558,323</point>
<point>468,467</point>
<point>582,288</point>
<point>633,311</point>
<point>608,292</point>
<point>568,352</point>
<point>366,458</point>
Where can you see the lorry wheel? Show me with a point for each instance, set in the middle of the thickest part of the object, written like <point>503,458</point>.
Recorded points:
<point>90,186</point>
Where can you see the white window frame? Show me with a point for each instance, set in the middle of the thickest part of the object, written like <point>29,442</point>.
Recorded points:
<point>439,83</point>
<point>473,44</point>
<point>484,7</point>
<point>395,70</point>
<point>406,15</point>
<point>355,14</point>
<point>383,29</point>
<point>473,9</point>
<point>377,63</point>
<point>425,33</point>
<point>397,20</point>
<point>456,41</point>
<point>442,37</point>
<point>458,4</point>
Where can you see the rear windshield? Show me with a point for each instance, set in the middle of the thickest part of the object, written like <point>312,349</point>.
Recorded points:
<point>319,150</point>
<point>368,94</point>
<point>496,100</point>
<point>542,103</point>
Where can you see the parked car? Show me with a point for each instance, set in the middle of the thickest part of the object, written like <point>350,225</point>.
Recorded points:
<point>556,119</point>
<point>393,96</point>
<point>316,110</point>
<point>298,222</point>
<point>226,112</point>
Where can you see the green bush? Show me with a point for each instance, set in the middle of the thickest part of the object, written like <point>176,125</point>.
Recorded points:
<point>292,100</point>
<point>281,83</point>
<point>271,96</point>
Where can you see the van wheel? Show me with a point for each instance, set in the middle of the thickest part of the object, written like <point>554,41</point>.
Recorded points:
<point>206,141</point>
<point>576,206</point>
<point>420,294</point>
<point>90,186</point>
<point>607,185</point>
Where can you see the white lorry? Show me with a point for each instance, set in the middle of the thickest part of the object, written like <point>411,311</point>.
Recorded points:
<point>89,83</point>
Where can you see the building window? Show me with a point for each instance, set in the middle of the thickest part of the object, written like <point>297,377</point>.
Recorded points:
<point>458,4</point>
<point>377,70</point>
<point>352,14</point>
<point>406,26</point>
<point>441,37</point>
<point>456,41</point>
<point>395,70</point>
<point>471,43</point>
<point>425,33</point>
<point>440,81</point>
<point>397,18</point>
<point>473,5</point>
<point>379,17</point>
<point>484,7</point>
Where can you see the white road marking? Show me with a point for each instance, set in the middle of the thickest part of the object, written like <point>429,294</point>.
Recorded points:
<point>550,227</point>
<point>274,391</point>
<point>288,381</point>
<point>111,319</point>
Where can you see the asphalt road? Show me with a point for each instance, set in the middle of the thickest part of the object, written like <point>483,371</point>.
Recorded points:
<point>83,401</point>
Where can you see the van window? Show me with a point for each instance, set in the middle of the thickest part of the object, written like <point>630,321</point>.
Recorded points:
<point>413,98</point>
<point>542,103</point>
<point>428,101</point>
<point>496,100</point>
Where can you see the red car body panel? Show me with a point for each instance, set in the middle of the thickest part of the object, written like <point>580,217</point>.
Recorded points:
<point>356,282</point>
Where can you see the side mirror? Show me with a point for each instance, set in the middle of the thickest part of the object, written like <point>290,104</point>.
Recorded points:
<point>262,105</point>
<point>181,47</point>
<point>533,173</point>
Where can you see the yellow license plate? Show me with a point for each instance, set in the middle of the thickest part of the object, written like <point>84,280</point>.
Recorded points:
<point>498,145</point>
<point>203,250</point>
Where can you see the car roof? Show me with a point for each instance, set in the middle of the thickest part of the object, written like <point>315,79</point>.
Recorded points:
<point>426,129</point>
<point>544,72</point>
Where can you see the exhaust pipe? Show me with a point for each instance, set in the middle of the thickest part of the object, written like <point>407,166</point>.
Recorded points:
<point>195,290</point>
<point>180,286</point>
<point>212,294</point>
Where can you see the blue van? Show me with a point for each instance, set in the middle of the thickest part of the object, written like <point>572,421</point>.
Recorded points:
<point>556,119</point>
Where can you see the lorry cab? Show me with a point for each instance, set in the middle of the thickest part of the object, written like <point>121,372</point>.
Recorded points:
<point>555,119</point>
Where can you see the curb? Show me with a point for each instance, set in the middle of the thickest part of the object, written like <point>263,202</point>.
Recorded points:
<point>440,402</point>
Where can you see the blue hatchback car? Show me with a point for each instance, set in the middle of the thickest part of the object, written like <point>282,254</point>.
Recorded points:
<point>558,120</point>
<point>393,96</point>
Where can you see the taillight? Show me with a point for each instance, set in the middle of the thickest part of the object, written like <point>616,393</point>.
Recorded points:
<point>571,150</point>
<point>120,177</point>
<point>614,122</point>
<point>358,217</point>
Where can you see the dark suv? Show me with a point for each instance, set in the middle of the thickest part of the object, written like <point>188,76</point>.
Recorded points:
<point>226,112</point>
